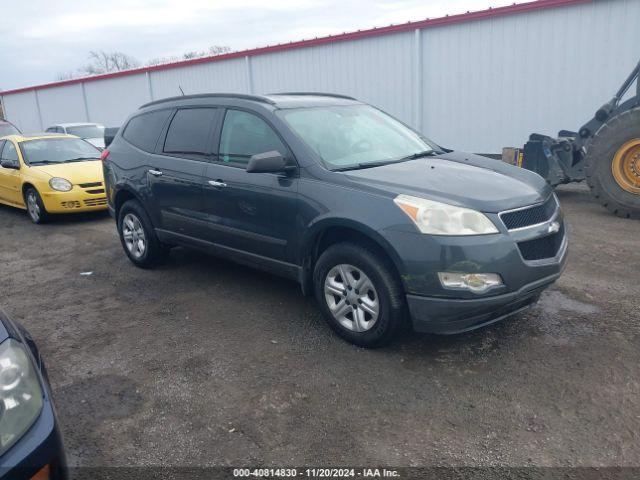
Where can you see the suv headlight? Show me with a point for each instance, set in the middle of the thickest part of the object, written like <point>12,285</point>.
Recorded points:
<point>20,393</point>
<point>60,184</point>
<point>437,218</point>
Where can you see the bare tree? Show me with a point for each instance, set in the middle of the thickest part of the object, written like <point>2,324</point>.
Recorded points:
<point>211,51</point>
<point>65,76</point>
<point>105,62</point>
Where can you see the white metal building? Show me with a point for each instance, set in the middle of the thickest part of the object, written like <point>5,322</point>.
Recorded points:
<point>477,81</point>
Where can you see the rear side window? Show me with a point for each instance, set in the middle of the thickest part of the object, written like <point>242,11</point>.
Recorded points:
<point>190,131</point>
<point>143,131</point>
<point>244,135</point>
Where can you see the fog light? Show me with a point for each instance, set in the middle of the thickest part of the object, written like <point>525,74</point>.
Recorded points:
<point>475,282</point>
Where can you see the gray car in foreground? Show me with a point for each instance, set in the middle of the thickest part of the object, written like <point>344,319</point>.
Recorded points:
<point>379,223</point>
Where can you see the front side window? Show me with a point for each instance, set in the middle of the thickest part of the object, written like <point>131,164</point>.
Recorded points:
<point>47,151</point>
<point>143,131</point>
<point>245,135</point>
<point>190,131</point>
<point>9,152</point>
<point>86,131</point>
<point>351,135</point>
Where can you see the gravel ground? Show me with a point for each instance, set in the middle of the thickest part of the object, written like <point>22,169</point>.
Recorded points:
<point>203,362</point>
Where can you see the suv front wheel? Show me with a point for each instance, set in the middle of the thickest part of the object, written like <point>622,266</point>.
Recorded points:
<point>359,294</point>
<point>138,236</point>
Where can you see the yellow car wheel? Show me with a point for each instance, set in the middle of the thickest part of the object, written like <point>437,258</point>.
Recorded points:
<point>35,207</point>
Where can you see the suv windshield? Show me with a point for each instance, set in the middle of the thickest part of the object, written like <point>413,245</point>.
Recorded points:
<point>8,129</point>
<point>58,150</point>
<point>355,136</point>
<point>86,131</point>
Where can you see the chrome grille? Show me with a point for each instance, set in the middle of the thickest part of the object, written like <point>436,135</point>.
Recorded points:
<point>528,216</point>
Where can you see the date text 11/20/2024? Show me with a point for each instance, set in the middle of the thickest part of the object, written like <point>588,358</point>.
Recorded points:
<point>316,472</point>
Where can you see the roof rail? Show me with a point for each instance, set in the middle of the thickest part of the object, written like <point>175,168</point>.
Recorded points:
<point>243,96</point>
<point>317,94</point>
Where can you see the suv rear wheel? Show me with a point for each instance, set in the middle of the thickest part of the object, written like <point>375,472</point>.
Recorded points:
<point>359,294</point>
<point>138,237</point>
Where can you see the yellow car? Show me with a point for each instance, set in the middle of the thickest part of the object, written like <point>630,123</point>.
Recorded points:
<point>48,174</point>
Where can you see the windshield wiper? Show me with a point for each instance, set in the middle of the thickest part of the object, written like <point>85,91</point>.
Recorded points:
<point>413,156</point>
<point>44,162</point>
<point>80,159</point>
<point>424,153</point>
<point>359,166</point>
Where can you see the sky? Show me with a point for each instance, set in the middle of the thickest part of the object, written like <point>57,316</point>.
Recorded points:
<point>45,39</point>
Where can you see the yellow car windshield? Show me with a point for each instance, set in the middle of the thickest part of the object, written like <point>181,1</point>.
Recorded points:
<point>46,151</point>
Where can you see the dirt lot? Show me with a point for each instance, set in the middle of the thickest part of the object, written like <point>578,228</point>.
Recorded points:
<point>202,362</point>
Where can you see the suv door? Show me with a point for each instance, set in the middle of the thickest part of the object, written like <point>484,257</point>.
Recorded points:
<point>249,212</point>
<point>176,169</point>
<point>10,182</point>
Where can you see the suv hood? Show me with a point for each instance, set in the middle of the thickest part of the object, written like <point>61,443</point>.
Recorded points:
<point>458,178</point>
<point>76,172</point>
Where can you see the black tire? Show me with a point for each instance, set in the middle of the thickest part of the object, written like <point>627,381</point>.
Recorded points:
<point>155,252</point>
<point>600,154</point>
<point>38,215</point>
<point>383,276</point>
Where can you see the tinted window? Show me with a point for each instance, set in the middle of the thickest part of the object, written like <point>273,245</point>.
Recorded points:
<point>190,131</point>
<point>244,135</point>
<point>52,129</point>
<point>143,131</point>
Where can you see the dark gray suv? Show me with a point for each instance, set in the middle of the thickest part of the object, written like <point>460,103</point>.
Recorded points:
<point>378,222</point>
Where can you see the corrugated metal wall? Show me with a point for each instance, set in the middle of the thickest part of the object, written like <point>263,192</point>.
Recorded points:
<point>477,85</point>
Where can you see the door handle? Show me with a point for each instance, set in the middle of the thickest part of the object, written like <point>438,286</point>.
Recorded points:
<point>217,183</point>
<point>155,173</point>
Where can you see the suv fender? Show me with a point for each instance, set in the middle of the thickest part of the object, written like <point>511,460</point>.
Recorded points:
<point>322,226</point>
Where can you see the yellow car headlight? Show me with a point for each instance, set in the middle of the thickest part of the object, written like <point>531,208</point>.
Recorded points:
<point>60,184</point>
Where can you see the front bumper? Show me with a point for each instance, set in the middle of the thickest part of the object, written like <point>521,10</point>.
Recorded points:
<point>76,200</point>
<point>435,309</point>
<point>450,316</point>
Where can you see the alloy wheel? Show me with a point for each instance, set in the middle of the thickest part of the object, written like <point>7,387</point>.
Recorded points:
<point>134,236</point>
<point>351,297</point>
<point>32,206</point>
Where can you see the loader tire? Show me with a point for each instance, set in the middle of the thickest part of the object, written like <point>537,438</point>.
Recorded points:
<point>612,164</point>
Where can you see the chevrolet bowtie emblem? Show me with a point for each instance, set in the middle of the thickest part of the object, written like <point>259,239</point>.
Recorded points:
<point>554,227</point>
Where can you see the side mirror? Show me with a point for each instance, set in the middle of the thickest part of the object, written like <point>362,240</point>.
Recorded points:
<point>11,164</point>
<point>268,162</point>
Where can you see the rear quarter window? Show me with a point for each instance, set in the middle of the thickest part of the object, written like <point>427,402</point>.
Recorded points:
<point>143,130</point>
